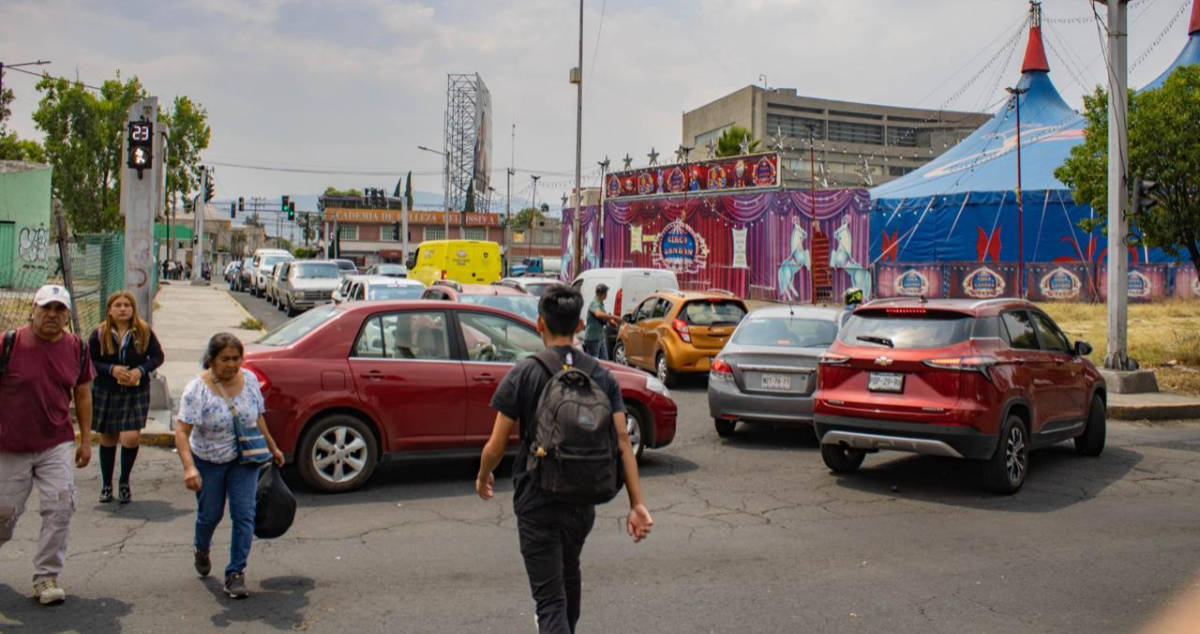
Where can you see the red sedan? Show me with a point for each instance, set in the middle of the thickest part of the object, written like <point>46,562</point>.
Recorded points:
<point>347,386</point>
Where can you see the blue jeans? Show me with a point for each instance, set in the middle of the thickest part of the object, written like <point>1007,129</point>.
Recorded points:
<point>597,349</point>
<point>239,483</point>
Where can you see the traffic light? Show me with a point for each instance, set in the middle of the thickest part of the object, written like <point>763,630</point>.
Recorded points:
<point>141,146</point>
<point>241,203</point>
<point>291,211</point>
<point>1144,196</point>
<point>396,231</point>
<point>209,190</point>
<point>232,210</point>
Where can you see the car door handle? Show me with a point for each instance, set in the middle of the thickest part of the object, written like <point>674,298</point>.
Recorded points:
<point>373,374</point>
<point>483,378</point>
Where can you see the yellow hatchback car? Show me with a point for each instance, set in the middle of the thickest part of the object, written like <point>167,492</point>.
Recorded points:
<point>677,332</point>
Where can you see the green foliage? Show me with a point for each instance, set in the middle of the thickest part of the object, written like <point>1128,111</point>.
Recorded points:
<point>333,191</point>
<point>83,144</point>
<point>305,252</point>
<point>13,148</point>
<point>526,216</point>
<point>188,134</point>
<point>1164,146</point>
<point>408,196</point>
<point>729,144</point>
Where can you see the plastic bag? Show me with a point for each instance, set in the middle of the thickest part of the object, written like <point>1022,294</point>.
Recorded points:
<point>276,506</point>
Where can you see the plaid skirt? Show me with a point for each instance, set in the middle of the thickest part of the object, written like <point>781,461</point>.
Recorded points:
<point>116,411</point>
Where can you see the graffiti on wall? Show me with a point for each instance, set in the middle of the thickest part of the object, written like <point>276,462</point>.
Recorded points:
<point>34,245</point>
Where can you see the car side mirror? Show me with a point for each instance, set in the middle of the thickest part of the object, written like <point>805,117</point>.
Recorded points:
<point>1082,349</point>
<point>627,318</point>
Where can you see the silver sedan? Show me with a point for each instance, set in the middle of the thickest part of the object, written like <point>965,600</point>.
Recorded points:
<point>767,371</point>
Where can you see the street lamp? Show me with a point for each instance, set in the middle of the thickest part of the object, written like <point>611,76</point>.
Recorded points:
<point>1016,101</point>
<point>445,185</point>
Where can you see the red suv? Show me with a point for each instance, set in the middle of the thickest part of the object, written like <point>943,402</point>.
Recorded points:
<point>984,380</point>
<point>347,386</point>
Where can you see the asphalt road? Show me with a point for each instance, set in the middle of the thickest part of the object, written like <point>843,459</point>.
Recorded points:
<point>752,534</point>
<point>269,315</point>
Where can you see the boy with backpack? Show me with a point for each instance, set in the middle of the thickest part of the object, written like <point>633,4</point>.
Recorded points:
<point>574,454</point>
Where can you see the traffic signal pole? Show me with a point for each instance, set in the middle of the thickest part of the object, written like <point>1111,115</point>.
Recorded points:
<point>198,252</point>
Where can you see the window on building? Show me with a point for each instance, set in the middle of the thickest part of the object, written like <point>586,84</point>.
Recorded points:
<point>901,136</point>
<point>385,233</point>
<point>475,233</point>
<point>435,233</point>
<point>899,170</point>
<point>847,132</point>
<point>711,136</point>
<point>795,127</point>
<point>549,236</point>
<point>348,232</point>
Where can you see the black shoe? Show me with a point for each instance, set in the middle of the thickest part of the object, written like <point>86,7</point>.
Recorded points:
<point>124,495</point>
<point>235,586</point>
<point>105,495</point>
<point>202,563</point>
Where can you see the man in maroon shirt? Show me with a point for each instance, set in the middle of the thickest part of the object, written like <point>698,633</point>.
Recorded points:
<point>46,368</point>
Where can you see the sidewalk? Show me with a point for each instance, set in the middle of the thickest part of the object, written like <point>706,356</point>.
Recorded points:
<point>184,319</point>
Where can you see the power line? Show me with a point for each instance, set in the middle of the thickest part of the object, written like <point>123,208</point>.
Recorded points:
<point>73,81</point>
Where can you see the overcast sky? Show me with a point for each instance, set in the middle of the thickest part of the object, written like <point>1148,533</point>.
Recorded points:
<point>356,85</point>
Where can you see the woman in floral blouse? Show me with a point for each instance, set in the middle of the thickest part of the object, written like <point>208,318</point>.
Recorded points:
<point>208,448</point>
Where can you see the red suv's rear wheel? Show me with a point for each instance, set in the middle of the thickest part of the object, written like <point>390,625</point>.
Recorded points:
<point>1005,471</point>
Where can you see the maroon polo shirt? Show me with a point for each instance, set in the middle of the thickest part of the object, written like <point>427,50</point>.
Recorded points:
<point>36,392</point>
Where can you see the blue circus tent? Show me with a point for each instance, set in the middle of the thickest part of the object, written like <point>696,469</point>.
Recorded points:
<point>962,206</point>
<point>1190,53</point>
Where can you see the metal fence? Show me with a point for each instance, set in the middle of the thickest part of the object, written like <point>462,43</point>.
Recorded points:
<point>97,270</point>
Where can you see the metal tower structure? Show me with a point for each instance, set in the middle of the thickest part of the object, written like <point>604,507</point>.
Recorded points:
<point>468,140</point>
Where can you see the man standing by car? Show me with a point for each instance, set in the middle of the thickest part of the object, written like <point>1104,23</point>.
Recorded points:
<point>552,532</point>
<point>594,341</point>
<point>44,367</point>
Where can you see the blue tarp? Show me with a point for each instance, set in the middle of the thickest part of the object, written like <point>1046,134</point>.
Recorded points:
<point>1189,55</point>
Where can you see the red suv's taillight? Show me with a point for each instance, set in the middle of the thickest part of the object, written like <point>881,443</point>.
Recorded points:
<point>681,329</point>
<point>720,370</point>
<point>263,381</point>
<point>980,364</point>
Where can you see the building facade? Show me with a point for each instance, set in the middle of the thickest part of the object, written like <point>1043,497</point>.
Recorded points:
<point>367,235</point>
<point>855,144</point>
<point>24,223</point>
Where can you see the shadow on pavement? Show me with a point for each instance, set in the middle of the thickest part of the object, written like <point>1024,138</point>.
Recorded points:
<point>764,436</point>
<point>277,603</point>
<point>1058,478</point>
<point>146,510</point>
<point>20,613</point>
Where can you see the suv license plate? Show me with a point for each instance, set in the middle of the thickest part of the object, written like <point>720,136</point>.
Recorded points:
<point>776,382</point>
<point>885,382</point>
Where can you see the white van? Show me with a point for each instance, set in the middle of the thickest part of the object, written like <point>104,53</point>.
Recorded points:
<point>626,287</point>
<point>260,268</point>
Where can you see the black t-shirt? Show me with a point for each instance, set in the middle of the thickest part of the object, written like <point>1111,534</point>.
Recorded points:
<point>517,397</point>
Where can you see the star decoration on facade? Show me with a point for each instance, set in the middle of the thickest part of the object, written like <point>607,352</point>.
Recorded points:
<point>604,164</point>
<point>711,148</point>
<point>653,156</point>
<point>681,155</point>
<point>777,140</point>
<point>628,160</point>
<point>744,146</point>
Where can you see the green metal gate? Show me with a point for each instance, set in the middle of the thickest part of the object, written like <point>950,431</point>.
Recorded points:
<point>8,245</point>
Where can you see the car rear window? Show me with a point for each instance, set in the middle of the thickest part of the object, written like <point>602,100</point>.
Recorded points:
<point>318,270</point>
<point>933,329</point>
<point>713,312</point>
<point>395,292</point>
<point>786,331</point>
<point>291,331</point>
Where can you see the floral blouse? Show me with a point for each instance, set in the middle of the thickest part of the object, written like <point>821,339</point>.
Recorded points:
<point>213,438</point>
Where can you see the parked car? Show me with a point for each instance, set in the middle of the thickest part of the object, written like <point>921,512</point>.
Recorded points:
<point>984,380</point>
<point>347,267</point>
<point>537,265</point>
<point>386,269</point>
<point>342,292</point>
<point>379,287</point>
<point>677,332</point>
<point>245,278</point>
<point>231,270</point>
<point>767,372</point>
<point>271,292</point>
<point>264,259</point>
<point>349,385</point>
<point>626,290</point>
<point>512,300</point>
<point>535,286</point>
<point>306,283</point>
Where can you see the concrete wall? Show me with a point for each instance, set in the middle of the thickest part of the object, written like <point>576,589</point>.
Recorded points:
<point>25,203</point>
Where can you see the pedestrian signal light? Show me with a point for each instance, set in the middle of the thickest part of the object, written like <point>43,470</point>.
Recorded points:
<point>141,146</point>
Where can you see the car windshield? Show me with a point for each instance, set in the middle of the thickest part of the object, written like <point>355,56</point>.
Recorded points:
<point>713,312</point>
<point>271,260</point>
<point>934,329</point>
<point>292,331</point>
<point>524,305</point>
<point>318,270</point>
<point>795,332</point>
<point>392,269</point>
<point>395,292</point>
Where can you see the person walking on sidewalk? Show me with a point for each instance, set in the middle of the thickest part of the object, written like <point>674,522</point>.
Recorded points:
<point>595,342</point>
<point>44,367</point>
<point>208,448</point>
<point>552,532</point>
<point>124,352</point>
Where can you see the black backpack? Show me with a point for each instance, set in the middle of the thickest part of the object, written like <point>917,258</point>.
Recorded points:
<point>10,338</point>
<point>574,455</point>
<point>275,506</point>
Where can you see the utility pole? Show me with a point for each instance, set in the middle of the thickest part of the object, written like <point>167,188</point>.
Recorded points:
<point>1117,356</point>
<point>577,79</point>
<point>532,216</point>
<point>1016,97</point>
<point>508,174</point>
<point>198,252</point>
<point>139,194</point>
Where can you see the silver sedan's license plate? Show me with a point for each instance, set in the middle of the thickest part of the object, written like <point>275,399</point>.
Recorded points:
<point>885,382</point>
<point>776,382</point>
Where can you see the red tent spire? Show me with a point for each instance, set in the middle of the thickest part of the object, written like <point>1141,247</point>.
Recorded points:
<point>1035,54</point>
<point>1194,25</point>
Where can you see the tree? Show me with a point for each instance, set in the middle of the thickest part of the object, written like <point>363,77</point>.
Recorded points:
<point>189,133</point>
<point>730,142</point>
<point>333,191</point>
<point>83,144</point>
<point>525,217</point>
<point>1164,147</point>
<point>14,148</point>
<point>469,207</point>
<point>408,197</point>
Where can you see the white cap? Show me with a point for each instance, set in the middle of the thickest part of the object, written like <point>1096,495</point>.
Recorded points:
<point>51,293</point>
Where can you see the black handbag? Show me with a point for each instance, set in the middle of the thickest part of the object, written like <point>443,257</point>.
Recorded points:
<point>276,506</point>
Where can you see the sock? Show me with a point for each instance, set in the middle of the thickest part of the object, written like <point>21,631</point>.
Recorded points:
<point>107,457</point>
<point>128,455</point>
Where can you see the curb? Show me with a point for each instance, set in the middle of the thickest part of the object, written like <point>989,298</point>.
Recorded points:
<point>1154,412</point>
<point>243,309</point>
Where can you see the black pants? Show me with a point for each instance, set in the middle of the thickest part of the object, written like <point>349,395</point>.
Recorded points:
<point>552,537</point>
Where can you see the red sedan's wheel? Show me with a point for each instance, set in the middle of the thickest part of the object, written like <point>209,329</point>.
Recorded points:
<point>337,454</point>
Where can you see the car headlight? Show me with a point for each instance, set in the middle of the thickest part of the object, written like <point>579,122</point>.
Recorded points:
<point>654,385</point>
